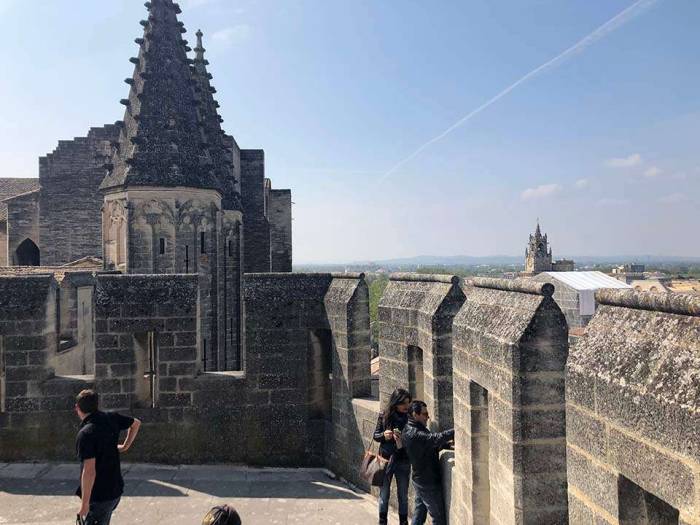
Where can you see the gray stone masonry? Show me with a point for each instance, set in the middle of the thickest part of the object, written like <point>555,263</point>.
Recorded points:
<point>11,187</point>
<point>22,223</point>
<point>127,309</point>
<point>307,336</point>
<point>633,411</point>
<point>347,307</point>
<point>70,225</point>
<point>164,139</point>
<point>510,349</point>
<point>279,214</point>
<point>256,228</point>
<point>31,395</point>
<point>415,340</point>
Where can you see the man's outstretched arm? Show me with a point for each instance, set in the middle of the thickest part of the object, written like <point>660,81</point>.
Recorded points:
<point>131,434</point>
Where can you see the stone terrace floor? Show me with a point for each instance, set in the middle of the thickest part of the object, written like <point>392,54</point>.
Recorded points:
<point>42,493</point>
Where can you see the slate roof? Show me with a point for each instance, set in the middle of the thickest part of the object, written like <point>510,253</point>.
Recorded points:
<point>11,187</point>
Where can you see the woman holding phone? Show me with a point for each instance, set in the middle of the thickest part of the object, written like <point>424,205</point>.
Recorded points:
<point>390,424</point>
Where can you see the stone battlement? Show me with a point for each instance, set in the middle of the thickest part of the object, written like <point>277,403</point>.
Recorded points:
<point>605,431</point>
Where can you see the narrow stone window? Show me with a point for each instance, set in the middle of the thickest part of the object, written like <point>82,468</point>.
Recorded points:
<point>204,356</point>
<point>415,372</point>
<point>162,246</point>
<point>320,374</point>
<point>58,319</point>
<point>187,259</point>
<point>146,353</point>
<point>202,245</point>
<point>479,430</point>
<point>639,507</point>
<point>230,248</point>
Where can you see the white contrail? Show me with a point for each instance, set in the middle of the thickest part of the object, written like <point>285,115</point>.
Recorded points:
<point>602,31</point>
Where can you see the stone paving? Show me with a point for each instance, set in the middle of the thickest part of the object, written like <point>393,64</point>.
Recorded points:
<point>42,493</point>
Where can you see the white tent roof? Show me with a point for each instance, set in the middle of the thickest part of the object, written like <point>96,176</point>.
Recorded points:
<point>587,280</point>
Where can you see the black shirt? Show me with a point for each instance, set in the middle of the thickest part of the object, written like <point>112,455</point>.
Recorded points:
<point>98,438</point>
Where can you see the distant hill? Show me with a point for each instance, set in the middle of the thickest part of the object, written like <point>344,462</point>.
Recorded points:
<point>504,260</point>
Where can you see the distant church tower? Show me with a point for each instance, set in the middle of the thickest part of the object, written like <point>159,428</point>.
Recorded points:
<point>538,254</point>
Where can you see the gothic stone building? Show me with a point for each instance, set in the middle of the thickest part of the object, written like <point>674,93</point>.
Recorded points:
<point>606,431</point>
<point>164,191</point>
<point>538,256</point>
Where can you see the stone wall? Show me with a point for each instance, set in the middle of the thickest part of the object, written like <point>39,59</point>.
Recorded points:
<point>35,402</point>
<point>415,340</point>
<point>147,363</point>
<point>510,350</point>
<point>256,228</point>
<point>633,411</point>
<point>69,200</point>
<point>623,448</point>
<point>22,225</point>
<point>347,307</point>
<point>297,327</point>
<point>279,213</point>
<point>131,313</point>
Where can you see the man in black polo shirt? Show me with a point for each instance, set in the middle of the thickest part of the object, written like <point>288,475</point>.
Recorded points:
<point>101,483</point>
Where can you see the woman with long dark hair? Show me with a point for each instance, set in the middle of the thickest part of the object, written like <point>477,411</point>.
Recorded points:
<point>390,424</point>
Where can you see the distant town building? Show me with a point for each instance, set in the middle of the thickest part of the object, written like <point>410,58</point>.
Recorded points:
<point>574,292</point>
<point>629,272</point>
<point>563,265</point>
<point>667,284</point>
<point>538,256</point>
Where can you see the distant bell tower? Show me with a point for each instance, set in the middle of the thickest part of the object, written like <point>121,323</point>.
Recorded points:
<point>538,254</point>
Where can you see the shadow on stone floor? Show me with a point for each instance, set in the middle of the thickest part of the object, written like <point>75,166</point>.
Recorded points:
<point>162,481</point>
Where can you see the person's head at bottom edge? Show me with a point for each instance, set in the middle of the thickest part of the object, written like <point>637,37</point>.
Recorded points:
<point>222,515</point>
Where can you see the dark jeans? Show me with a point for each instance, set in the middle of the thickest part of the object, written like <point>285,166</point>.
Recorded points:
<point>101,512</point>
<point>429,501</point>
<point>401,471</point>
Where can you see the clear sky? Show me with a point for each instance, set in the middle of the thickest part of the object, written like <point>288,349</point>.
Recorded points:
<point>601,144</point>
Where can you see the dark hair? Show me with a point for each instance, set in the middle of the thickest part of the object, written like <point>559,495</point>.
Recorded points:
<point>222,515</point>
<point>416,408</point>
<point>398,396</point>
<point>87,401</point>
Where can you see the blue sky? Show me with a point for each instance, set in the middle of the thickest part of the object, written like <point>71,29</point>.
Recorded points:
<point>601,146</point>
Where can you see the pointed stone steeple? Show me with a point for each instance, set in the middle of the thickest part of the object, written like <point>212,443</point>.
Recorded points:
<point>221,156</point>
<point>162,141</point>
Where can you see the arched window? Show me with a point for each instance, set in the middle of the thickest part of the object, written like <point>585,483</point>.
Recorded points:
<point>27,254</point>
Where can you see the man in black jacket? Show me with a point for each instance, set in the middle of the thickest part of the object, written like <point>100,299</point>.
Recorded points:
<point>423,449</point>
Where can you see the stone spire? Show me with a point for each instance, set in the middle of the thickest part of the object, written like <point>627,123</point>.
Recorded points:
<point>162,141</point>
<point>211,120</point>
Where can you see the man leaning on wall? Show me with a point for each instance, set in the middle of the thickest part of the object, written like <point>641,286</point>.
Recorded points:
<point>423,448</point>
<point>101,483</point>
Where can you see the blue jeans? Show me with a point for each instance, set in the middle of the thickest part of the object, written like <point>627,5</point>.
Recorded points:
<point>429,501</point>
<point>401,470</point>
<point>101,512</point>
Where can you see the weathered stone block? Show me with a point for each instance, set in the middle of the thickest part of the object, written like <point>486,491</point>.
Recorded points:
<point>599,484</point>
<point>653,470</point>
